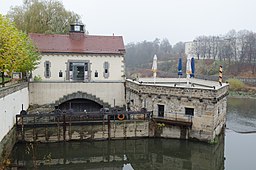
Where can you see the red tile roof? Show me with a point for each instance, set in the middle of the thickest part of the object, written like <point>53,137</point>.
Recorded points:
<point>57,43</point>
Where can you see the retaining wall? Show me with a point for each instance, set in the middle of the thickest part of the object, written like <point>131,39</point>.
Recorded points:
<point>101,131</point>
<point>11,100</point>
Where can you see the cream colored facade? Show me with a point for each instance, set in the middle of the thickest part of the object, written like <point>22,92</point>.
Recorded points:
<point>104,89</point>
<point>59,63</point>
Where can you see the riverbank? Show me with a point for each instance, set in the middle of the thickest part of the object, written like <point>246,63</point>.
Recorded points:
<point>243,94</point>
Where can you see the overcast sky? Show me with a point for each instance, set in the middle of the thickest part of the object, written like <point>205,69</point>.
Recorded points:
<point>176,20</point>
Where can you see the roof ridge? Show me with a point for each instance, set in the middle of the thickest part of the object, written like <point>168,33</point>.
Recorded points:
<point>86,35</point>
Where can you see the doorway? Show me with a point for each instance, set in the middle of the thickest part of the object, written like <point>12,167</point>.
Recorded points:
<point>78,71</point>
<point>160,110</point>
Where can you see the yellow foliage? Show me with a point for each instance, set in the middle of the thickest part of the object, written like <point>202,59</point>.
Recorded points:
<point>17,53</point>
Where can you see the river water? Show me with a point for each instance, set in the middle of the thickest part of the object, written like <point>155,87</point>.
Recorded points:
<point>236,150</point>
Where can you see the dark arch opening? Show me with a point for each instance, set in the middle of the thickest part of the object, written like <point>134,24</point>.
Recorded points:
<point>80,105</point>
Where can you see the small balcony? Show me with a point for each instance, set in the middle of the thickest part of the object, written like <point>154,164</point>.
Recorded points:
<point>174,119</point>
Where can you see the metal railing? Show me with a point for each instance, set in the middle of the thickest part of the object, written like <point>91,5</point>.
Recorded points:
<point>175,118</point>
<point>60,118</point>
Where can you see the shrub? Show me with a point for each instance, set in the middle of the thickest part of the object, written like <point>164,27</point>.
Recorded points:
<point>235,84</point>
<point>37,78</point>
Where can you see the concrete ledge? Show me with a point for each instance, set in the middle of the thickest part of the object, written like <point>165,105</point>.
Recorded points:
<point>4,91</point>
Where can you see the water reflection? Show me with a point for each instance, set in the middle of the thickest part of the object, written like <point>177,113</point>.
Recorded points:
<point>240,151</point>
<point>241,115</point>
<point>240,147</point>
<point>153,153</point>
<point>122,154</point>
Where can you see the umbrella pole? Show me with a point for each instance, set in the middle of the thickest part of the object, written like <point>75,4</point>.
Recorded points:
<point>154,75</point>
<point>188,77</point>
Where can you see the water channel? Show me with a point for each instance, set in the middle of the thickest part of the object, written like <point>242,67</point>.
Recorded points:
<point>235,150</point>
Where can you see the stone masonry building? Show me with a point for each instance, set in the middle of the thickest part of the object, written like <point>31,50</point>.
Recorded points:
<point>181,108</point>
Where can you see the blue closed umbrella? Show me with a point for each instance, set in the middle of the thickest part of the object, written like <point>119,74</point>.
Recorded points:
<point>192,67</point>
<point>180,67</point>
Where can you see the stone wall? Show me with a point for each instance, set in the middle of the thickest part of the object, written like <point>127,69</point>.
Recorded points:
<point>209,107</point>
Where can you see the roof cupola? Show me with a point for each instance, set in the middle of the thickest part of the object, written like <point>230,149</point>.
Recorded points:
<point>76,31</point>
<point>77,27</point>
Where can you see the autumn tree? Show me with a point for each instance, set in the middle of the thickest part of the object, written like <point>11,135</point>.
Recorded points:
<point>42,16</point>
<point>17,52</point>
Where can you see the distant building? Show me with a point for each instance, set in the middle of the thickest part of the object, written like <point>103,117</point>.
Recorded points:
<point>189,48</point>
<point>215,48</point>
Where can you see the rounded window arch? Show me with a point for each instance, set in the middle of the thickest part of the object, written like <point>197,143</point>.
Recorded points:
<point>80,105</point>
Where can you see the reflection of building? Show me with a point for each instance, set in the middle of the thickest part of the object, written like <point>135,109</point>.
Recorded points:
<point>88,64</point>
<point>138,154</point>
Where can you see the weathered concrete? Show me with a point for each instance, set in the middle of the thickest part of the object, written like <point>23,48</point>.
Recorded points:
<point>206,98</point>
<point>118,130</point>
<point>52,93</point>
<point>7,144</point>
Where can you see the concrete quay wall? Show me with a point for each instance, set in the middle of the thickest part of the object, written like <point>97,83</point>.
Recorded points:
<point>96,131</point>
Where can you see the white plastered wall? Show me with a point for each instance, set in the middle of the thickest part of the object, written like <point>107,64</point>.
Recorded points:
<point>59,62</point>
<point>10,106</point>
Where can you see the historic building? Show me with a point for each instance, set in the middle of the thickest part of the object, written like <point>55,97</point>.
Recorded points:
<point>182,108</point>
<point>84,73</point>
<point>78,68</point>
